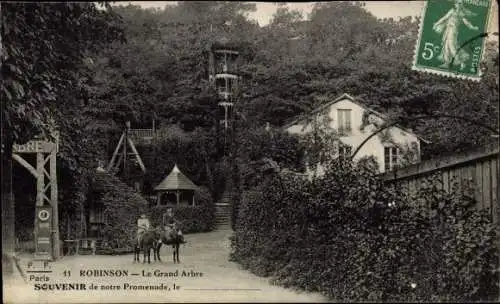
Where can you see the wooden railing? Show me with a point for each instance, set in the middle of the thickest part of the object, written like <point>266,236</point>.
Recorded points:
<point>229,68</point>
<point>141,133</point>
<point>148,134</point>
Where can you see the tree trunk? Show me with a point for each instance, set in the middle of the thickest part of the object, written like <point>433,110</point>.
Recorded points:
<point>8,222</point>
<point>8,209</point>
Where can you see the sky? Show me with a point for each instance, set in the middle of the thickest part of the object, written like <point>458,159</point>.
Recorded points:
<point>381,9</point>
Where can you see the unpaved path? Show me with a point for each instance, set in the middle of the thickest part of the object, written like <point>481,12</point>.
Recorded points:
<point>206,253</point>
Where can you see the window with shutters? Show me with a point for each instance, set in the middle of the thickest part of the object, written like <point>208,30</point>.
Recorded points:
<point>344,121</point>
<point>345,151</point>
<point>391,157</point>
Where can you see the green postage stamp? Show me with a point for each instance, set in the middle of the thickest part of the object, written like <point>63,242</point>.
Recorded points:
<point>452,37</point>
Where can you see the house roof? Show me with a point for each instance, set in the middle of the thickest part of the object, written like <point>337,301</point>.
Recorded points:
<point>176,180</point>
<point>355,101</point>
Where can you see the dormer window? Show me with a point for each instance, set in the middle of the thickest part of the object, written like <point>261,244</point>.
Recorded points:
<point>344,121</point>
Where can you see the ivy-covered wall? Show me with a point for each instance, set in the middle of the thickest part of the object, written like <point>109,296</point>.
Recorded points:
<point>123,207</point>
<point>352,238</point>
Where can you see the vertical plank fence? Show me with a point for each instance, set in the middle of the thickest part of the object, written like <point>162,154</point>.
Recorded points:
<point>479,167</point>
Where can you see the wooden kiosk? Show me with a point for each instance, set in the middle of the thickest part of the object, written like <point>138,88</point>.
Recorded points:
<point>176,189</point>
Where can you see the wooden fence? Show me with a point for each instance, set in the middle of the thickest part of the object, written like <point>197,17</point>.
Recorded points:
<point>147,136</point>
<point>479,167</point>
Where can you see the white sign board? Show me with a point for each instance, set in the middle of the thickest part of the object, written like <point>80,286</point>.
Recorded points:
<point>34,146</point>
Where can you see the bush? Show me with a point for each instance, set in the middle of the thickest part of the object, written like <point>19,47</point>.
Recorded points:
<point>199,218</point>
<point>193,218</point>
<point>353,238</point>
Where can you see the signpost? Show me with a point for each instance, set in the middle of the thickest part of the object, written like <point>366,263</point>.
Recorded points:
<point>46,217</point>
<point>43,233</point>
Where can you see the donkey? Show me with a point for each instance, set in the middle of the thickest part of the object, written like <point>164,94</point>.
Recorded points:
<point>148,242</point>
<point>168,237</point>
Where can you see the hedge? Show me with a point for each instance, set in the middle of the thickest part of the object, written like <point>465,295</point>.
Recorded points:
<point>193,218</point>
<point>198,218</point>
<point>352,238</point>
<point>123,207</point>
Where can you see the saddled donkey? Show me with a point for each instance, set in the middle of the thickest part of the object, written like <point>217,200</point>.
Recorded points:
<point>148,242</point>
<point>168,236</point>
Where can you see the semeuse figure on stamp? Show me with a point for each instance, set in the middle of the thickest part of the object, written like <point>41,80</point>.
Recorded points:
<point>449,26</point>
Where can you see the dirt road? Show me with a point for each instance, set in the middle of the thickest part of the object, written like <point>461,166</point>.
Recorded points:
<point>204,275</point>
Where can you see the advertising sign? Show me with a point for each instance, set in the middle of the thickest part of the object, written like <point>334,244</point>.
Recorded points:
<point>43,232</point>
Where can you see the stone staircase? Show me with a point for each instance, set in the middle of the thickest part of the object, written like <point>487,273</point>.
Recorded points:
<point>223,212</point>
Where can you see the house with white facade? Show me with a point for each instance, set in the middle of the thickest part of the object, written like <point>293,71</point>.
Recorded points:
<point>352,123</point>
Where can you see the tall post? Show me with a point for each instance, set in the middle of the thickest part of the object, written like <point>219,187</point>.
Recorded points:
<point>226,117</point>
<point>8,213</point>
<point>54,199</point>
<point>7,195</point>
<point>125,173</point>
<point>40,179</point>
<point>112,163</point>
<point>498,217</point>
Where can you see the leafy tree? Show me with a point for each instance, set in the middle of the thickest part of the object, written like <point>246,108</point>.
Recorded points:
<point>290,67</point>
<point>43,46</point>
<point>343,48</point>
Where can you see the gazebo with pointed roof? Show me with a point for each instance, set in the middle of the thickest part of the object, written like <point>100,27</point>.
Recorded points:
<point>176,183</point>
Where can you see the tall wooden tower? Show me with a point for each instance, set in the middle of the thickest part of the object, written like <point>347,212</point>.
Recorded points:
<point>223,76</point>
<point>223,73</point>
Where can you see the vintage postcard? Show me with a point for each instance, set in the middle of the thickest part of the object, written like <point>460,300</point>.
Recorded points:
<point>228,151</point>
<point>452,38</point>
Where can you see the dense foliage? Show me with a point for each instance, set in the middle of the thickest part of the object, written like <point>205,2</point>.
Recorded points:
<point>61,70</point>
<point>192,152</point>
<point>352,238</point>
<point>288,67</point>
<point>342,48</point>
<point>122,208</point>
<point>44,46</point>
<point>258,146</point>
<point>192,218</point>
<point>43,53</point>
